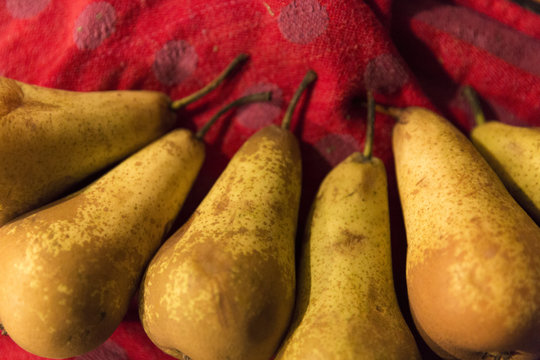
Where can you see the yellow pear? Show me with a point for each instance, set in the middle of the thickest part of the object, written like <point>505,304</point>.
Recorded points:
<point>70,269</point>
<point>50,140</point>
<point>473,270</point>
<point>346,305</point>
<point>513,152</point>
<point>222,287</point>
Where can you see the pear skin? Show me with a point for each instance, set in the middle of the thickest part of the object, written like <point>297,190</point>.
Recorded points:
<point>473,270</point>
<point>222,287</point>
<point>70,269</point>
<point>346,304</point>
<point>514,153</point>
<point>50,139</point>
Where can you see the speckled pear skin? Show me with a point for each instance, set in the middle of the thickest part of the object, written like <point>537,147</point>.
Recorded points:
<point>70,270</point>
<point>346,304</point>
<point>473,270</point>
<point>222,287</point>
<point>52,139</point>
<point>514,153</point>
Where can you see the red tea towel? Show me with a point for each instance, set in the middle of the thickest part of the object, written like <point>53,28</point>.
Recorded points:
<point>408,52</point>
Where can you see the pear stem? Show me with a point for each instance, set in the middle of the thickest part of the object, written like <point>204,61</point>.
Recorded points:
<point>474,103</point>
<point>368,144</point>
<point>265,96</point>
<point>392,111</point>
<point>310,77</point>
<point>180,103</point>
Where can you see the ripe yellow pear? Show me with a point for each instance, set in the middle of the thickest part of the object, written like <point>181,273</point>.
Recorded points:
<point>222,287</point>
<point>346,307</point>
<point>514,153</point>
<point>50,140</point>
<point>70,269</point>
<point>473,270</point>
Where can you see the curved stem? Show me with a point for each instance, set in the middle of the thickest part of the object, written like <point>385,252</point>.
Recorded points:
<point>392,111</point>
<point>310,77</point>
<point>368,144</point>
<point>180,103</point>
<point>265,96</point>
<point>474,103</point>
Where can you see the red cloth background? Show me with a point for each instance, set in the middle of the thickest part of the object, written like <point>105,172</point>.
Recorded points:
<point>409,52</point>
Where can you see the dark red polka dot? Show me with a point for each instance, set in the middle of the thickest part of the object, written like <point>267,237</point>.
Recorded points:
<point>108,351</point>
<point>260,114</point>
<point>385,74</point>
<point>336,147</point>
<point>95,24</point>
<point>302,21</point>
<point>175,62</point>
<point>25,9</point>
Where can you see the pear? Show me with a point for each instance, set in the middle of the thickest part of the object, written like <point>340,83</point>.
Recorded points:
<point>222,286</point>
<point>513,152</point>
<point>70,269</point>
<point>51,140</point>
<point>473,270</point>
<point>346,304</point>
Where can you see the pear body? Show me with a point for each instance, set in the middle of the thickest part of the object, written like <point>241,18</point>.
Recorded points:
<point>346,306</point>
<point>222,287</point>
<point>473,271</point>
<point>50,139</point>
<point>514,153</point>
<point>69,270</point>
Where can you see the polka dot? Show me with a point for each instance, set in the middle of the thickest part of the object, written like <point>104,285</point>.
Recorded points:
<point>385,74</point>
<point>260,114</point>
<point>302,21</point>
<point>95,24</point>
<point>336,147</point>
<point>25,9</point>
<point>175,62</point>
<point>108,351</point>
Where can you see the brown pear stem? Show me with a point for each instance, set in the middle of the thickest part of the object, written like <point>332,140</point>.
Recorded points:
<point>392,111</point>
<point>180,103</point>
<point>265,96</point>
<point>310,77</point>
<point>474,103</point>
<point>368,143</point>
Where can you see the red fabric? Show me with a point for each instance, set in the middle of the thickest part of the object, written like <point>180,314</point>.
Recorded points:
<point>409,52</point>
<point>508,13</point>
